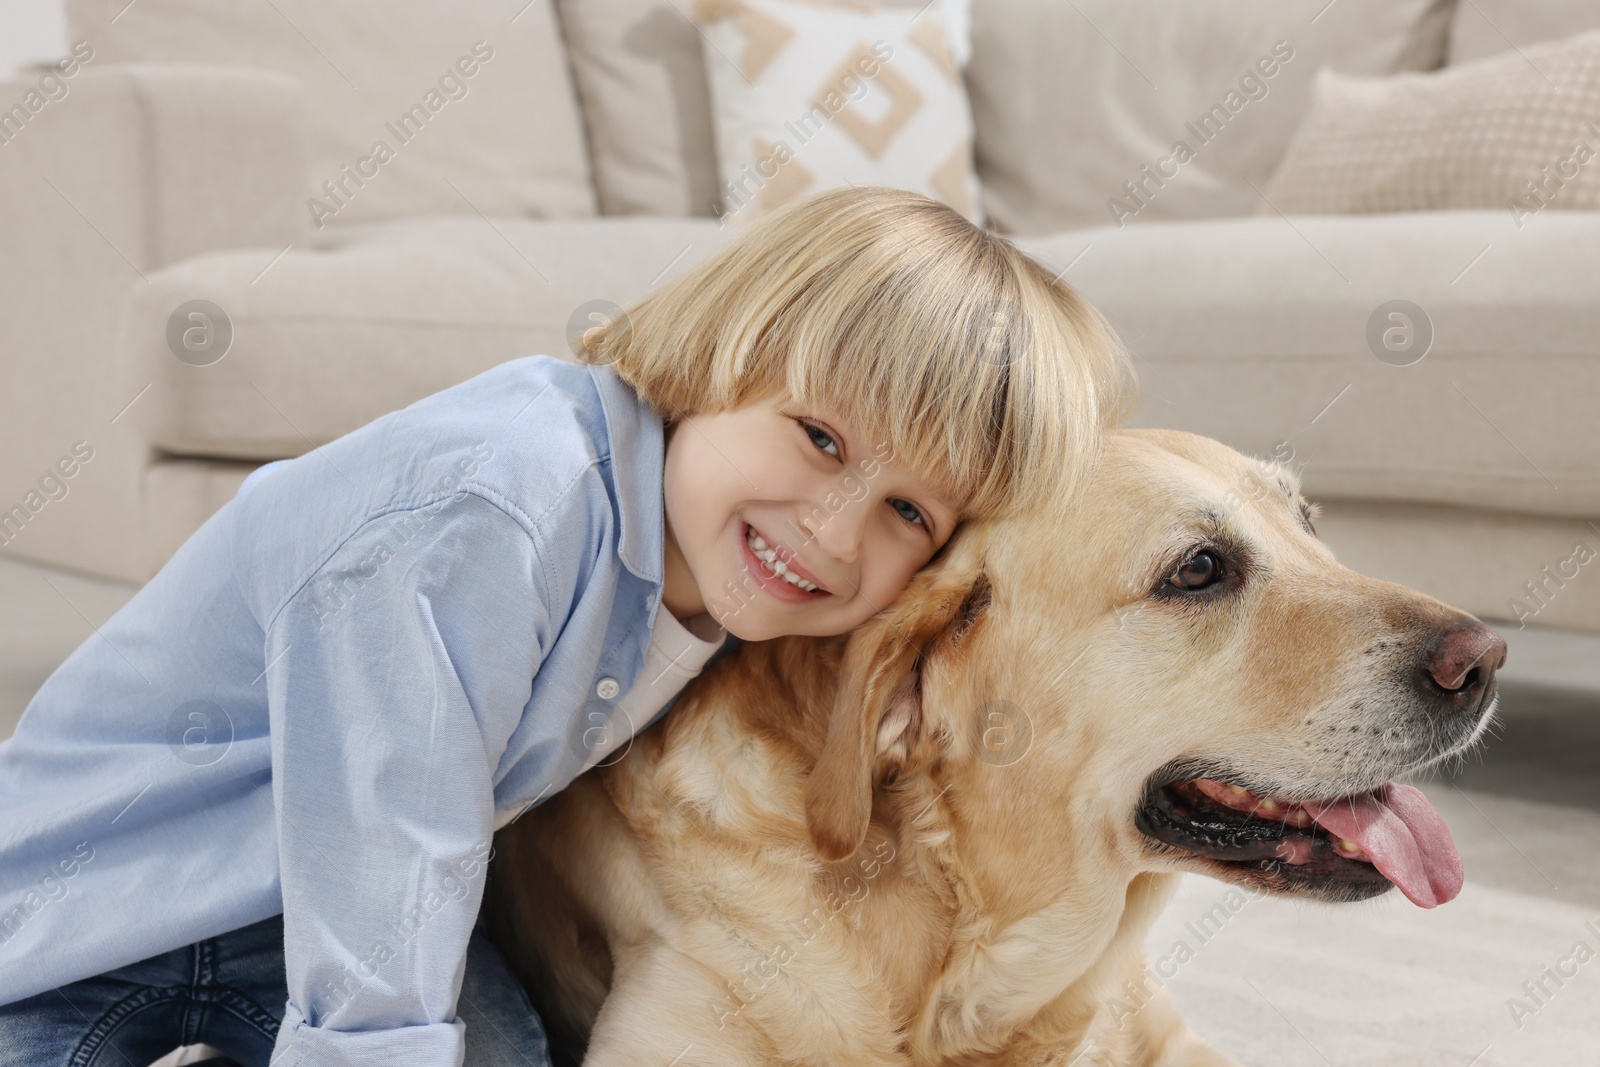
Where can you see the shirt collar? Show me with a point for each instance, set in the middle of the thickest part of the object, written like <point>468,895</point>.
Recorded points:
<point>638,465</point>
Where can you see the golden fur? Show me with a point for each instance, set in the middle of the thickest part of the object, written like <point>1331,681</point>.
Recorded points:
<point>818,857</point>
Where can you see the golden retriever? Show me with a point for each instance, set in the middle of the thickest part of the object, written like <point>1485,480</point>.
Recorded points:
<point>942,839</point>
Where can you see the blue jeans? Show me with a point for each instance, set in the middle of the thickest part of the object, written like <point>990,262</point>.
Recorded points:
<point>229,992</point>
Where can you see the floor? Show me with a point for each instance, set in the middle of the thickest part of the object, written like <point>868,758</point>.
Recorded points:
<point>1278,983</point>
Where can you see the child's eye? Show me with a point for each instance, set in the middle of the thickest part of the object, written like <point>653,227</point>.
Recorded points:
<point>915,518</point>
<point>816,431</point>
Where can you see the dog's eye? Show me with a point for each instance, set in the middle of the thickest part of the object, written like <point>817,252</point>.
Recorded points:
<point>1197,572</point>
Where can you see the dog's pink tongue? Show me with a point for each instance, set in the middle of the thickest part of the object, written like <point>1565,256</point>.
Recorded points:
<point>1405,837</point>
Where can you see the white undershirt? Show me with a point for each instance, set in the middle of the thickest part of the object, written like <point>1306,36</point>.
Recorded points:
<point>676,654</point>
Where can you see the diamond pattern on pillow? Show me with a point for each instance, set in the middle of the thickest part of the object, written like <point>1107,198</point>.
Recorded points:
<point>927,36</point>
<point>874,135</point>
<point>809,96</point>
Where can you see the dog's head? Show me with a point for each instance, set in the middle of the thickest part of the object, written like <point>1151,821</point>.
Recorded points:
<point>1166,671</point>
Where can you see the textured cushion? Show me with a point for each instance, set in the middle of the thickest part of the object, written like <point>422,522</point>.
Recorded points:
<point>808,97</point>
<point>1073,100</point>
<point>1517,131</point>
<point>476,112</point>
<point>1255,332</point>
<point>641,78</point>
<point>377,316</point>
<point>1484,27</point>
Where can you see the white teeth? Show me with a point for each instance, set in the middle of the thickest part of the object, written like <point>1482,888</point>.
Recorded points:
<point>770,558</point>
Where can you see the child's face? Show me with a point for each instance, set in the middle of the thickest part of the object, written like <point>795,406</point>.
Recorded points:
<point>818,493</point>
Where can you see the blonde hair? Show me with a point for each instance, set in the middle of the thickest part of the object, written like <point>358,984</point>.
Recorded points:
<point>983,372</point>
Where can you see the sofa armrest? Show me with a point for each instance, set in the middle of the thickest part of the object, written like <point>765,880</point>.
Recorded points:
<point>167,160</point>
<point>132,168</point>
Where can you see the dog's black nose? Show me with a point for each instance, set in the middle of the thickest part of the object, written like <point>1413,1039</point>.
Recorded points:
<point>1464,660</point>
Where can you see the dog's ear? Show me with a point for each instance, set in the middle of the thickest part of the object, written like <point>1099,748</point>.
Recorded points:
<point>878,705</point>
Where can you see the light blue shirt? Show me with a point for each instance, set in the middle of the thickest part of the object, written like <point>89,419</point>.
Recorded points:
<point>319,703</point>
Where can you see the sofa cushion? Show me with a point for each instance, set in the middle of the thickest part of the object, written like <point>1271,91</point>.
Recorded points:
<point>1073,101</point>
<point>325,340</point>
<point>641,78</point>
<point>1519,131</point>
<point>807,97</point>
<point>471,100</point>
<point>637,69</point>
<point>1486,27</point>
<point>1531,570</point>
<point>1264,334</point>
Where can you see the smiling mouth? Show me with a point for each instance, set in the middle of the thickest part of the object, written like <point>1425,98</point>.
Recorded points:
<point>1348,847</point>
<point>778,573</point>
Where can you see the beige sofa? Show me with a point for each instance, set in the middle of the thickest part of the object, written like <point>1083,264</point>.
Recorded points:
<point>188,159</point>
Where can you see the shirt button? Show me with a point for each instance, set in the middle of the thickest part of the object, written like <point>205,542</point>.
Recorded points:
<point>607,688</point>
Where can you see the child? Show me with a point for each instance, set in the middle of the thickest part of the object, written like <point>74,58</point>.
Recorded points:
<point>272,778</point>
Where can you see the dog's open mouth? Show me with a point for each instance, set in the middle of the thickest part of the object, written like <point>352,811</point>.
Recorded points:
<point>1349,847</point>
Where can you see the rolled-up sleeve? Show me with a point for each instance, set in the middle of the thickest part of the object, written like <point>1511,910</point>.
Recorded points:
<point>395,677</point>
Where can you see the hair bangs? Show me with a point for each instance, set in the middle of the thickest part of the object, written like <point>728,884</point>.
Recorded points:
<point>949,351</point>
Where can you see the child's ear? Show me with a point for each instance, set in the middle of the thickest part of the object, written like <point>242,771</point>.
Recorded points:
<point>877,710</point>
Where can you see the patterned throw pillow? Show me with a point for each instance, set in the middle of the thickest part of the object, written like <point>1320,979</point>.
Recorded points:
<point>1518,131</point>
<point>807,97</point>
